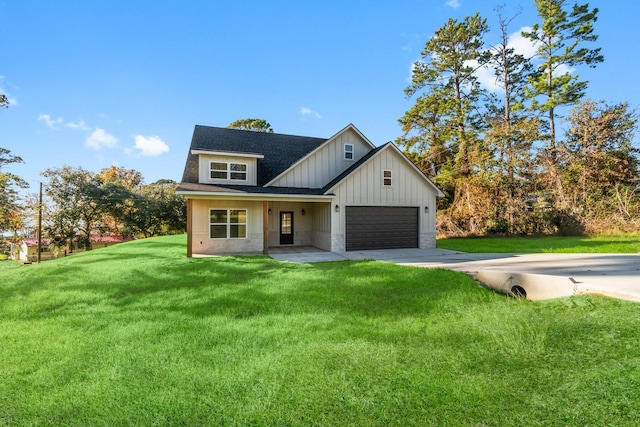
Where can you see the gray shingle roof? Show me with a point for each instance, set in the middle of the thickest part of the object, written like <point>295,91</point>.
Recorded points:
<point>280,151</point>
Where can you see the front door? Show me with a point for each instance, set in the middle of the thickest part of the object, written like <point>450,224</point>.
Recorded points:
<point>286,228</point>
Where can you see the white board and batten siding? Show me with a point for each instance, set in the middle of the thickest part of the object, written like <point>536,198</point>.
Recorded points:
<point>324,164</point>
<point>364,187</point>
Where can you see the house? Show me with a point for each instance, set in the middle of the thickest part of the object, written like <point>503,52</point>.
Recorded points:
<point>27,250</point>
<point>250,191</point>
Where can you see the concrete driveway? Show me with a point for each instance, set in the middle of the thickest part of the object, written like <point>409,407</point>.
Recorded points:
<point>534,276</point>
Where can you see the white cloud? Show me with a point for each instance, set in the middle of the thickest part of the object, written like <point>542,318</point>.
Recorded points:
<point>99,139</point>
<point>149,146</point>
<point>49,121</point>
<point>307,111</point>
<point>485,76</point>
<point>453,3</point>
<point>522,45</point>
<point>81,125</point>
<point>527,48</point>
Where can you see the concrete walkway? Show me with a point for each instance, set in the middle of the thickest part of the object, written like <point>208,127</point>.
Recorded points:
<point>534,276</point>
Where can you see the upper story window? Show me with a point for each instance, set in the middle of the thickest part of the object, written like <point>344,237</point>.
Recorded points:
<point>386,178</point>
<point>228,171</point>
<point>348,151</point>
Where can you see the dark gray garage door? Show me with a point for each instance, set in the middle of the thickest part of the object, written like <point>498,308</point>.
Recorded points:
<point>374,227</point>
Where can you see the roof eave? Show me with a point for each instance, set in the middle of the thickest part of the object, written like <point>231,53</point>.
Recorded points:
<point>228,153</point>
<point>219,195</point>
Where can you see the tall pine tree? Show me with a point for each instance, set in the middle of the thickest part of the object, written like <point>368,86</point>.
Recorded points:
<point>440,131</point>
<point>560,40</point>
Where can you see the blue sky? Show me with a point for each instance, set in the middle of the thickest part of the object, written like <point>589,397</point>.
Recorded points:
<point>101,83</point>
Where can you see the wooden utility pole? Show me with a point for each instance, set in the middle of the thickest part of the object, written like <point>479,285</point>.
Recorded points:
<point>40,226</point>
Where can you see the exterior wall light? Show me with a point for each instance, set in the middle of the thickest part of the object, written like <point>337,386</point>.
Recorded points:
<point>303,212</point>
<point>426,209</point>
<point>269,211</point>
<point>337,208</point>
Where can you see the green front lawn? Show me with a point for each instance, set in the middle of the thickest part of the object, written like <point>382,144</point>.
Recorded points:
<point>138,334</point>
<point>622,244</point>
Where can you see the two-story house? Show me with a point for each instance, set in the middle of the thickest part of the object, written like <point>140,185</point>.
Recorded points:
<point>249,191</point>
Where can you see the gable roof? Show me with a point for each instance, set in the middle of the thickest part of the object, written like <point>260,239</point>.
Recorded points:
<point>33,242</point>
<point>280,151</point>
<point>350,126</point>
<point>389,145</point>
<point>275,154</point>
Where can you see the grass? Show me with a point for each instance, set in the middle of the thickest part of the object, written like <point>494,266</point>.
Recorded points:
<point>629,243</point>
<point>138,334</point>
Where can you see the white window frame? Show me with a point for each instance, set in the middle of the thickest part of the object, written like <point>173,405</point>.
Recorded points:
<point>348,154</point>
<point>217,170</point>
<point>386,177</point>
<point>228,171</point>
<point>228,224</point>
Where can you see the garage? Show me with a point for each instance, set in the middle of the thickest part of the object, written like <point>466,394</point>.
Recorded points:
<point>381,227</point>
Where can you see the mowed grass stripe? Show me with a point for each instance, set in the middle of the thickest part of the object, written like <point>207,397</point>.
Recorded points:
<point>137,334</point>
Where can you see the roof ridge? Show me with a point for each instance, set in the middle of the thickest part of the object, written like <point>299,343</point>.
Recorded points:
<point>259,132</point>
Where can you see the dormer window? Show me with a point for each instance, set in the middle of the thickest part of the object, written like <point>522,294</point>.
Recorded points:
<point>218,170</point>
<point>348,151</point>
<point>228,171</point>
<point>238,171</point>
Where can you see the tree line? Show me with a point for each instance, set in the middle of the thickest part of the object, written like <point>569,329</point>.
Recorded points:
<point>79,204</point>
<point>535,156</point>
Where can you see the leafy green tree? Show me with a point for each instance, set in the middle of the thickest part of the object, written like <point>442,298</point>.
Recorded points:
<point>157,210</point>
<point>256,125</point>
<point>560,39</point>
<point>115,200</point>
<point>120,186</point>
<point>129,178</point>
<point>78,201</point>
<point>8,189</point>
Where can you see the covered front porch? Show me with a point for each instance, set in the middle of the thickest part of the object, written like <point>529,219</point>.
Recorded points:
<point>299,225</point>
<point>242,223</point>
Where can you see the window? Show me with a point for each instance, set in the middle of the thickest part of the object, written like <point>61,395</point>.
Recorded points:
<point>386,178</point>
<point>228,224</point>
<point>228,171</point>
<point>218,170</point>
<point>238,171</point>
<point>348,151</point>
